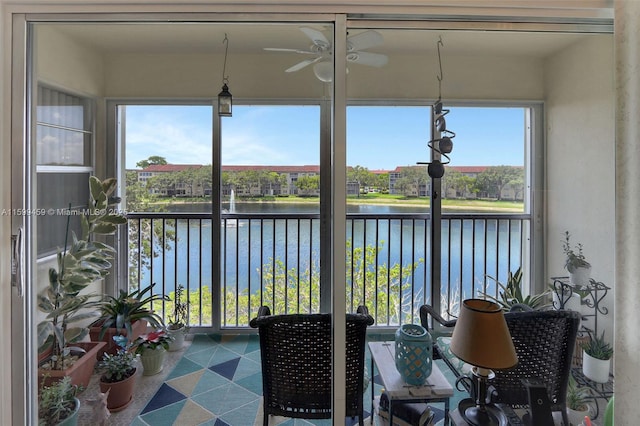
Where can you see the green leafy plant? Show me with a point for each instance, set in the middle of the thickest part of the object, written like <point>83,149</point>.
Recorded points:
<point>79,264</point>
<point>57,401</point>
<point>577,397</point>
<point>511,293</point>
<point>119,366</point>
<point>180,317</point>
<point>152,341</point>
<point>575,258</point>
<point>120,312</point>
<point>598,348</point>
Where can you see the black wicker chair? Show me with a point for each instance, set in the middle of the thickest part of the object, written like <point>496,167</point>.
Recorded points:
<point>544,342</point>
<point>297,368</point>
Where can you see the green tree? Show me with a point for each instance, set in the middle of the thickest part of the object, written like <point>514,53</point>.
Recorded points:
<point>493,180</point>
<point>308,184</point>
<point>382,182</point>
<point>454,181</point>
<point>140,199</point>
<point>362,175</point>
<point>154,159</point>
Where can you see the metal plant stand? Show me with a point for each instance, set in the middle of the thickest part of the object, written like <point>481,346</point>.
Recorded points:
<point>591,297</point>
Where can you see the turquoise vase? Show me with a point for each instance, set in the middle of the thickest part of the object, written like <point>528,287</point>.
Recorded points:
<point>414,353</point>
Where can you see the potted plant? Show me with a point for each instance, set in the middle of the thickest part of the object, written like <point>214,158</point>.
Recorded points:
<point>596,359</point>
<point>118,375</point>
<point>58,403</point>
<point>578,267</point>
<point>511,295</point>
<point>79,264</point>
<point>152,348</point>
<point>577,402</point>
<point>126,315</point>
<point>179,321</point>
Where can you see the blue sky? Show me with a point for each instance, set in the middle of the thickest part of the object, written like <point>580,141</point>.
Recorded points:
<point>377,137</point>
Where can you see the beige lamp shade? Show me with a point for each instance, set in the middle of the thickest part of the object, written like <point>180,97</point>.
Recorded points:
<point>481,337</point>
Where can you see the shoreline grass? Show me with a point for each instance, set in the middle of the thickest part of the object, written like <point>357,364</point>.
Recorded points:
<point>372,199</point>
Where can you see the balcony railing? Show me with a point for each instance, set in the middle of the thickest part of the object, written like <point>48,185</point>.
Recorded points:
<point>274,259</point>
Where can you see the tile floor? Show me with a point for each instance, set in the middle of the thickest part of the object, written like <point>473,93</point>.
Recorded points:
<point>215,380</point>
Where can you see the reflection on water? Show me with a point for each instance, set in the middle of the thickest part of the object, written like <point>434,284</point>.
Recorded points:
<point>304,208</point>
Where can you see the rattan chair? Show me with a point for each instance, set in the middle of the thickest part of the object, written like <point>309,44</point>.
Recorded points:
<point>297,364</point>
<point>544,342</point>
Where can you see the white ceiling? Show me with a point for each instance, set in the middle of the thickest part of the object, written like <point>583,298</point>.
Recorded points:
<point>252,38</point>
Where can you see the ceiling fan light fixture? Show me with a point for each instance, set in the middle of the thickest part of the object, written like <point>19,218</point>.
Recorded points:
<point>324,71</point>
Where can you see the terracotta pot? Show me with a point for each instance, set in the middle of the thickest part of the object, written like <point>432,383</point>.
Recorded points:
<point>138,328</point>
<point>80,371</point>
<point>120,393</point>
<point>152,361</point>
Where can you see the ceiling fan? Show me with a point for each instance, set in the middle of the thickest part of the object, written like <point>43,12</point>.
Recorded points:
<point>321,50</point>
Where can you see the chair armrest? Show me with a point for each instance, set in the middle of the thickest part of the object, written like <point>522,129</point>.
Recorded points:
<point>426,310</point>
<point>263,311</point>
<point>365,311</point>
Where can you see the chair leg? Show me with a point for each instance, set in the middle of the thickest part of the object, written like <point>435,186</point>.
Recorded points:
<point>265,419</point>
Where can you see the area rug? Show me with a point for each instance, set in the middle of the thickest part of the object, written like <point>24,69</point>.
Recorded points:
<point>216,380</point>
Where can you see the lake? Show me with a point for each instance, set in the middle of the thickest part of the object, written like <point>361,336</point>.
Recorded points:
<point>471,248</point>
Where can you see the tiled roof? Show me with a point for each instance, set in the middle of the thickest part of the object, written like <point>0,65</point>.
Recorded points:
<point>281,169</point>
<point>159,168</point>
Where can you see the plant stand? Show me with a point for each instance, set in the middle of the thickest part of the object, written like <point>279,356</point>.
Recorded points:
<point>152,361</point>
<point>591,300</point>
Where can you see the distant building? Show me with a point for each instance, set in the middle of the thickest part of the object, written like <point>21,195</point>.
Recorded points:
<point>178,189</point>
<point>281,180</point>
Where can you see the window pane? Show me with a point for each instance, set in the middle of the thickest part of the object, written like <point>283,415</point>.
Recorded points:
<point>61,109</point>
<point>56,192</point>
<point>62,147</point>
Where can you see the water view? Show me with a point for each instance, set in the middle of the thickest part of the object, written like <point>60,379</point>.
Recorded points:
<point>252,249</point>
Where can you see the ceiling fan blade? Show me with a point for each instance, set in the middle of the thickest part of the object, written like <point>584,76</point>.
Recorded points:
<point>316,37</point>
<point>282,49</point>
<point>302,64</point>
<point>368,58</point>
<point>364,40</point>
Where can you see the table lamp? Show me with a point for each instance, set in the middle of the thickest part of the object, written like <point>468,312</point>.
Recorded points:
<point>481,338</point>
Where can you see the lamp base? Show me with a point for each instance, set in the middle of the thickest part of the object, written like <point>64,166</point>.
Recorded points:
<point>481,415</point>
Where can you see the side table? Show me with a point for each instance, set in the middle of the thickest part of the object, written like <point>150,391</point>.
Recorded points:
<point>437,388</point>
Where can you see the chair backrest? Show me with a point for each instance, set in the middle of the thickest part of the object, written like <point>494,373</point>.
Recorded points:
<point>297,363</point>
<point>544,342</point>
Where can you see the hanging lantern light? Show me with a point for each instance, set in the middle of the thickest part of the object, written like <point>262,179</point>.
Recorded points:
<point>225,100</point>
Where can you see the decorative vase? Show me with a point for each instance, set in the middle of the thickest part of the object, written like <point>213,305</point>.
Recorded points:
<point>414,356</point>
<point>178,338</point>
<point>595,369</point>
<point>120,393</point>
<point>152,360</point>
<point>580,276</point>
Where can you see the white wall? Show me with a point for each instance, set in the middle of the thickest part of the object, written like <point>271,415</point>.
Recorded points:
<point>580,167</point>
<point>67,63</point>
<point>404,77</point>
